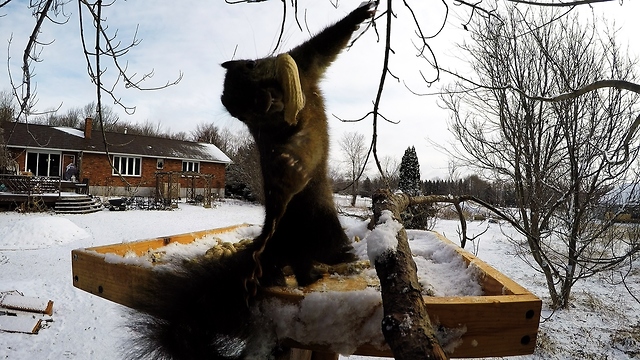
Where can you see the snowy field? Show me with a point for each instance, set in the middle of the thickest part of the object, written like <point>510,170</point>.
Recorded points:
<point>35,259</point>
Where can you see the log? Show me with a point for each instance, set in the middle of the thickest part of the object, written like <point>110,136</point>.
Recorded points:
<point>405,325</point>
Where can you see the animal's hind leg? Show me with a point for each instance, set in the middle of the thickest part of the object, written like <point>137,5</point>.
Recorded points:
<point>304,272</point>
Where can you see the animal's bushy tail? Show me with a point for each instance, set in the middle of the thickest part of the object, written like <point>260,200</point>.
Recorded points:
<point>196,310</point>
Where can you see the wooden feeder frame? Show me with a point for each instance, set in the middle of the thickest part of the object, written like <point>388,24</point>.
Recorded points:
<point>503,322</point>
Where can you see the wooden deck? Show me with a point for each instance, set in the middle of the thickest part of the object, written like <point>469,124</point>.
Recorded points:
<point>20,189</point>
<point>9,200</point>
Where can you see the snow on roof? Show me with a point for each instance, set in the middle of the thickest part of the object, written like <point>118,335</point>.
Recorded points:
<point>71,131</point>
<point>66,138</point>
<point>215,152</point>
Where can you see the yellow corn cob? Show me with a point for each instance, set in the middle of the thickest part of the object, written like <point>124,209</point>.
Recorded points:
<point>287,74</point>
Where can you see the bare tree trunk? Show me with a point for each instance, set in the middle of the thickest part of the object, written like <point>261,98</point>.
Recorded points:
<point>406,325</point>
<point>355,150</point>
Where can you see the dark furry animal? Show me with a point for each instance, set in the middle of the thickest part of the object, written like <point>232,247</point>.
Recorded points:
<point>293,153</point>
<point>200,311</point>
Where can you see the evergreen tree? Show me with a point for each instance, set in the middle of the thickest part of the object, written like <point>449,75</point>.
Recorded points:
<point>417,216</point>
<point>410,173</point>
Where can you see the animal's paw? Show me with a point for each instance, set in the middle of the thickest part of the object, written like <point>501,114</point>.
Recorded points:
<point>370,5</point>
<point>291,162</point>
<point>294,176</point>
<point>366,9</point>
<point>308,278</point>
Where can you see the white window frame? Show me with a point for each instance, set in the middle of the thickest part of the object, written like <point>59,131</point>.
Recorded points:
<point>45,165</point>
<point>191,166</point>
<point>127,165</point>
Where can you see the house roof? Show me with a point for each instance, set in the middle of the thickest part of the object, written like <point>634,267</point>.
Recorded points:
<point>32,136</point>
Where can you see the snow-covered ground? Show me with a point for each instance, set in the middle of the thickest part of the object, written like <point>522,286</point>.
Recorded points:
<point>35,259</point>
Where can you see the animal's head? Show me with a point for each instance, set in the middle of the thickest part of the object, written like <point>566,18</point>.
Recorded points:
<point>263,90</point>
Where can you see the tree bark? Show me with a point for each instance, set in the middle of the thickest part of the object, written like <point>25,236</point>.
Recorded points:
<point>406,325</point>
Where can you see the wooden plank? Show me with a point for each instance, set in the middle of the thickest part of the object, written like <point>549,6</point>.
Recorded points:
<point>112,281</point>
<point>20,324</point>
<point>490,325</point>
<point>324,356</point>
<point>26,303</point>
<point>493,281</point>
<point>118,282</point>
<point>142,246</point>
<point>493,325</point>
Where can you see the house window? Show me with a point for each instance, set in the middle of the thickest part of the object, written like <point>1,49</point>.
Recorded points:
<point>129,166</point>
<point>192,166</point>
<point>43,164</point>
<point>160,164</point>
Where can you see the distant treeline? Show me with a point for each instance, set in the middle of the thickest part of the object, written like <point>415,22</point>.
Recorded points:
<point>501,194</point>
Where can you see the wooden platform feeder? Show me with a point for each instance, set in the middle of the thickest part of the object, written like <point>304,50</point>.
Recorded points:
<point>503,322</point>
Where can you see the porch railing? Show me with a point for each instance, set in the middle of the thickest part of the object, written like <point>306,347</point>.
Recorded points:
<point>23,184</point>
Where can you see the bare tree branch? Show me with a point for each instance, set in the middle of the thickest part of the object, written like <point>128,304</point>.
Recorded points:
<point>406,325</point>
<point>28,56</point>
<point>559,4</point>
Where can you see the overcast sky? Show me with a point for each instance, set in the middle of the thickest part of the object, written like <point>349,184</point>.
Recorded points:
<point>193,37</point>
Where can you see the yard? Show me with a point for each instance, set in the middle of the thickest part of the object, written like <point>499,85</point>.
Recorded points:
<point>35,259</point>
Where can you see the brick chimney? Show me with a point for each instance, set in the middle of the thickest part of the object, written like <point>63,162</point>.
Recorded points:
<point>88,125</point>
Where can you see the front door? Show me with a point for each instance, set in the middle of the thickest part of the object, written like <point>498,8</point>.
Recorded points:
<point>69,167</point>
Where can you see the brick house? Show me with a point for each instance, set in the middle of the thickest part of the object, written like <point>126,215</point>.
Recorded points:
<point>48,151</point>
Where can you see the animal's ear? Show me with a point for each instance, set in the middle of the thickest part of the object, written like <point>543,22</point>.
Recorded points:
<point>228,64</point>
<point>289,78</point>
<point>248,64</point>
